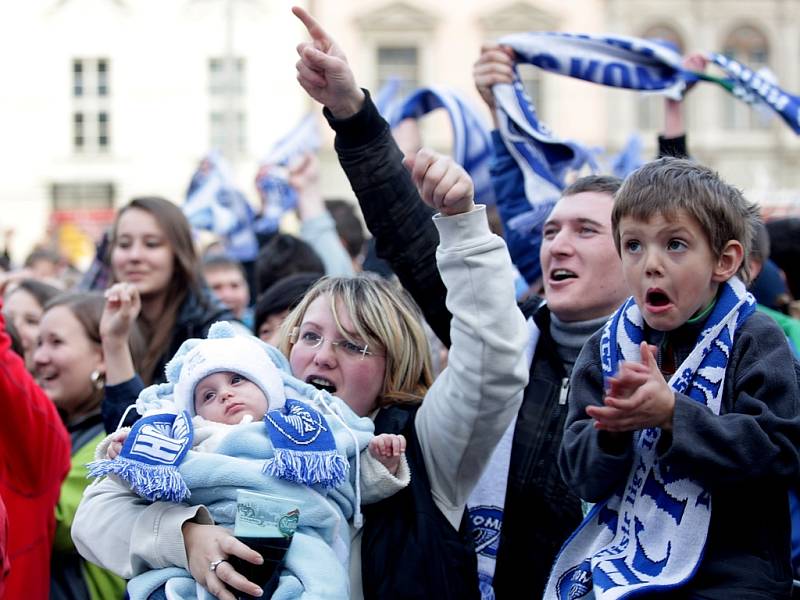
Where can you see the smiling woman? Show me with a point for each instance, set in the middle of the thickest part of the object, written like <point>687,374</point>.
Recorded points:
<point>158,287</point>
<point>70,367</point>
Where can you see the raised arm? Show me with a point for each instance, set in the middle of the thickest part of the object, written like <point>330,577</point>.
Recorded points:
<point>473,401</point>
<point>393,211</point>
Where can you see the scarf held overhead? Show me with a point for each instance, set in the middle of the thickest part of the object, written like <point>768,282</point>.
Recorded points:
<point>472,146</point>
<point>649,536</point>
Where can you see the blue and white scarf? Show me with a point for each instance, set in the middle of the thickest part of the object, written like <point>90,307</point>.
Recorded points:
<point>646,66</point>
<point>650,534</point>
<point>213,203</point>
<point>304,452</point>
<point>304,447</point>
<point>755,89</point>
<point>272,176</point>
<point>472,144</point>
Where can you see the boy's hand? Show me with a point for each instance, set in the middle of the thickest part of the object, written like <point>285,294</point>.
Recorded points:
<point>441,182</point>
<point>323,70</point>
<point>115,447</point>
<point>388,449</point>
<point>638,397</point>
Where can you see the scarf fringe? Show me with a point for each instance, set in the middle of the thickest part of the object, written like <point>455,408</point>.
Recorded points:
<point>327,468</point>
<point>153,482</point>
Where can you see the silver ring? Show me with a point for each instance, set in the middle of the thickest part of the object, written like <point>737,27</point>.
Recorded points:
<point>214,564</point>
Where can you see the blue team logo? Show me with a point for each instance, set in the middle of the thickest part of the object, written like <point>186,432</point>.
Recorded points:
<point>299,424</point>
<point>576,583</point>
<point>485,522</point>
<point>160,439</point>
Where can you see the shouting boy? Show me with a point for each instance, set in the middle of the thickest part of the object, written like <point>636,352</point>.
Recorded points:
<point>683,424</point>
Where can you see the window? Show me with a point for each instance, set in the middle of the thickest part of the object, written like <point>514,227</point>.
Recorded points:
<point>650,108</point>
<point>227,119</point>
<point>748,46</point>
<point>91,93</point>
<point>401,62</point>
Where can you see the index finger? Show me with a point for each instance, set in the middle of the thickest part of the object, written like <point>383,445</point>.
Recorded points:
<point>315,30</point>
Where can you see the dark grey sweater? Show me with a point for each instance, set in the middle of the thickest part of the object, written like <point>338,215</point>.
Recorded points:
<point>747,456</point>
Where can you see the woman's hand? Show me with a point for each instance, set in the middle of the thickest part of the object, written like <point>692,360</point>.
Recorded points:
<point>442,182</point>
<point>122,308</point>
<point>207,544</point>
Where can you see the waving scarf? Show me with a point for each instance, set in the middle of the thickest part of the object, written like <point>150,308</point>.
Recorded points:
<point>213,203</point>
<point>472,145</point>
<point>650,535</point>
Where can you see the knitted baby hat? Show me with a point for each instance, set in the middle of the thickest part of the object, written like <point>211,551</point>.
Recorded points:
<point>223,350</point>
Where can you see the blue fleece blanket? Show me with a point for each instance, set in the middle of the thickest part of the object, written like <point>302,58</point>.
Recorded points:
<point>317,561</point>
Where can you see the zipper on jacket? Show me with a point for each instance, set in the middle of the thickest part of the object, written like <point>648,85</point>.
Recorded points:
<point>562,398</point>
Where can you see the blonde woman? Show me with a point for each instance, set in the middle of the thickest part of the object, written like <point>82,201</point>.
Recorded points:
<point>362,339</point>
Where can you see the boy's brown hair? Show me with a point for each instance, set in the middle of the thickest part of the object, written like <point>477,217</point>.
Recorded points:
<point>669,185</point>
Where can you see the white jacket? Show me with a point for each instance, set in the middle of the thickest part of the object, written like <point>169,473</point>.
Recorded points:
<point>462,418</point>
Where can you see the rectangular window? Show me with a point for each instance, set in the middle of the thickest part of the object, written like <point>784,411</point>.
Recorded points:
<point>401,62</point>
<point>102,77</point>
<point>227,117</point>
<point>77,78</point>
<point>102,130</point>
<point>91,105</point>
<point>78,135</point>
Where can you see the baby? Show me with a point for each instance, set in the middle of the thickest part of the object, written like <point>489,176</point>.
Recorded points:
<point>244,414</point>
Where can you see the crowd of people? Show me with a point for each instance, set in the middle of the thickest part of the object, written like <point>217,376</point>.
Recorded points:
<point>626,424</point>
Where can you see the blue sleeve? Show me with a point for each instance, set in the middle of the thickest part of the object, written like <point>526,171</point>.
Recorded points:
<point>118,398</point>
<point>509,188</point>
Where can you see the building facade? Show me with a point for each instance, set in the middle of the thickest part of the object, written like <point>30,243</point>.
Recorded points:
<point>109,99</point>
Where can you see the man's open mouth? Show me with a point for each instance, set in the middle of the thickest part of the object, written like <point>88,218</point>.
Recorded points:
<point>562,274</point>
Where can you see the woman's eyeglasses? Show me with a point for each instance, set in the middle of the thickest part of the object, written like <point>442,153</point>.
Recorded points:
<point>312,339</point>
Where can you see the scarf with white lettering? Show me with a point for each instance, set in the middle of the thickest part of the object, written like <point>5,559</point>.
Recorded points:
<point>472,145</point>
<point>650,535</point>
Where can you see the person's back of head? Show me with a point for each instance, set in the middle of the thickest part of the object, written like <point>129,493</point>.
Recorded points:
<point>284,255</point>
<point>277,300</point>
<point>784,235</point>
<point>669,187</point>
<point>348,226</point>
<point>44,263</point>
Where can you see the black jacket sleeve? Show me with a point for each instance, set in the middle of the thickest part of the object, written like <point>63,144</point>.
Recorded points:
<point>396,216</point>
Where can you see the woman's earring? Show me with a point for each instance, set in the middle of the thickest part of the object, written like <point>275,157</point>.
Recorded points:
<point>98,379</point>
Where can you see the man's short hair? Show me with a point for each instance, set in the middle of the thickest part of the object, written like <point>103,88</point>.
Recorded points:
<point>669,185</point>
<point>284,255</point>
<point>222,262</point>
<point>604,184</point>
<point>348,225</point>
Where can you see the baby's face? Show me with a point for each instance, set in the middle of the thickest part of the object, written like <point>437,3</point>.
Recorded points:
<point>226,397</point>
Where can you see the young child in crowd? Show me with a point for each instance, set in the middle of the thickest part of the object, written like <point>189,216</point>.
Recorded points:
<point>683,424</point>
<point>248,430</point>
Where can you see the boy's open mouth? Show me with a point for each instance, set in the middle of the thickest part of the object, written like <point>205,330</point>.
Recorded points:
<point>657,297</point>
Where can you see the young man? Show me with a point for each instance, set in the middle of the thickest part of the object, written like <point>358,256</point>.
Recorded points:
<point>683,410</point>
<point>226,278</point>
<point>583,278</point>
